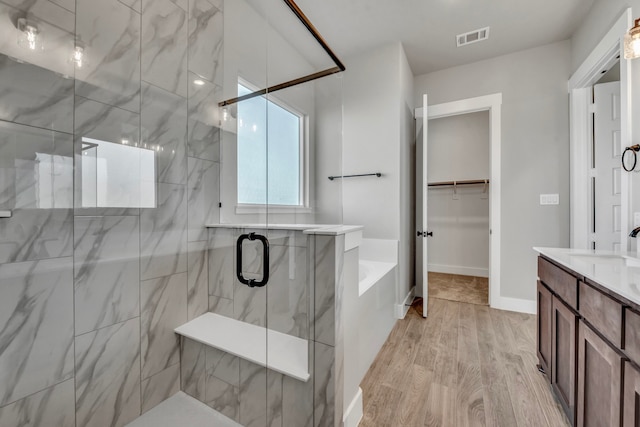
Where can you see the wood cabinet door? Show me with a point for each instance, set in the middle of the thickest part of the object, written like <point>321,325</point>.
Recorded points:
<point>544,329</point>
<point>599,381</point>
<point>631,398</point>
<point>563,356</point>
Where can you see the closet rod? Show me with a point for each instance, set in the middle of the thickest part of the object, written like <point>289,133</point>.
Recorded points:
<point>470,182</point>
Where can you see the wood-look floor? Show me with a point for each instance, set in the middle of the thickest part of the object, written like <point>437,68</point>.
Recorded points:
<point>454,287</point>
<point>465,365</point>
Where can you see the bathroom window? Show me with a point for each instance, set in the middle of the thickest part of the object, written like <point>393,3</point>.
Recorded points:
<point>270,152</point>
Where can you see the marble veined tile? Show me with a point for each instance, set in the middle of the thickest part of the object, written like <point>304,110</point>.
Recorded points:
<point>288,294</point>
<point>69,5</point>
<point>223,397</point>
<point>108,375</point>
<point>107,270</point>
<point>36,326</point>
<point>164,308</point>
<point>221,306</point>
<point>204,197</point>
<point>160,387</point>
<point>164,127</point>
<point>204,119</point>
<point>274,398</point>
<point>222,365</point>
<point>111,33</point>
<point>164,45</point>
<point>54,406</point>
<point>324,386</point>
<point>325,284</point>
<point>250,304</point>
<point>36,234</point>
<point>253,394</point>
<point>133,4</point>
<point>297,399</point>
<point>35,96</point>
<point>198,279</point>
<point>36,170</point>
<point>206,40</point>
<point>222,262</point>
<point>192,366</point>
<point>163,234</point>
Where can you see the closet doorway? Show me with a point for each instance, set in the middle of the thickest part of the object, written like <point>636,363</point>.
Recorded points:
<point>458,200</point>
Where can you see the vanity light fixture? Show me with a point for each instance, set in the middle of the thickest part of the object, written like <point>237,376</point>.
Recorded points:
<point>78,58</point>
<point>29,35</point>
<point>632,41</point>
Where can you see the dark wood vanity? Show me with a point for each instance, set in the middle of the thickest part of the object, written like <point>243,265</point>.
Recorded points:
<point>588,346</point>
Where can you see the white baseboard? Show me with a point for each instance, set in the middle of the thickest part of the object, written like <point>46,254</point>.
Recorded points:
<point>514,304</point>
<point>354,411</point>
<point>401,310</point>
<point>457,269</point>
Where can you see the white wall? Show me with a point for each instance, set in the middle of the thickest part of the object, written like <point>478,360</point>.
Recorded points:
<point>458,149</point>
<point>379,137</point>
<point>535,149</point>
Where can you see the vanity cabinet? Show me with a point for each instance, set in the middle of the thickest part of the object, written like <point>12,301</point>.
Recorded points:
<point>599,380</point>
<point>588,344</point>
<point>631,413</point>
<point>543,341</point>
<point>563,356</point>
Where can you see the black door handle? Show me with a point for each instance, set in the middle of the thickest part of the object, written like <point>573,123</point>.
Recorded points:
<point>425,234</point>
<point>265,260</point>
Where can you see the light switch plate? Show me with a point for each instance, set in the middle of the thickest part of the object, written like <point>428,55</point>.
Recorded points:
<point>549,199</point>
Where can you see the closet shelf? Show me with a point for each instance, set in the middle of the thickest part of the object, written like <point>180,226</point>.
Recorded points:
<point>456,183</point>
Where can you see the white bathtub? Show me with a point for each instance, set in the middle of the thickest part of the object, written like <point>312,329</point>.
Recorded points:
<point>370,272</point>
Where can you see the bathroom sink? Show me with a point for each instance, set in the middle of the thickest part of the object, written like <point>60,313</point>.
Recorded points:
<point>619,260</point>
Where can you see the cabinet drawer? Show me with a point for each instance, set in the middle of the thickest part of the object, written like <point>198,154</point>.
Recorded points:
<point>632,334</point>
<point>559,281</point>
<point>603,312</point>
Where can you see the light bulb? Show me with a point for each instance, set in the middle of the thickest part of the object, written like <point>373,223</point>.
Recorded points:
<point>29,36</point>
<point>635,45</point>
<point>632,42</point>
<point>198,82</point>
<point>254,128</point>
<point>78,57</point>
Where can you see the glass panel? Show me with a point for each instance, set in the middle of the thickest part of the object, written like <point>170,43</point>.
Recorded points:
<point>128,186</point>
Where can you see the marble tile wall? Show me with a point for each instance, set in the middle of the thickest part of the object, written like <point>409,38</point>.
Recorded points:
<point>302,298</point>
<point>90,292</point>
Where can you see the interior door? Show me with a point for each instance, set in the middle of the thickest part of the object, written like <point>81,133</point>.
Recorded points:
<point>607,193</point>
<point>422,271</point>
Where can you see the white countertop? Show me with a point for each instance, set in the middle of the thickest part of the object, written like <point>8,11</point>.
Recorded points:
<point>616,271</point>
<point>322,229</point>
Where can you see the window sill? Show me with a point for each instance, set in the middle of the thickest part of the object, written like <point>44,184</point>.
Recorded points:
<point>272,209</point>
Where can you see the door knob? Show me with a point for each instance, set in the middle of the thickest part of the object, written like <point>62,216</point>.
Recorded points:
<point>429,233</point>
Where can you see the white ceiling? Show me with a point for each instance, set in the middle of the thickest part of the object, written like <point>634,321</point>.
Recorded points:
<point>427,28</point>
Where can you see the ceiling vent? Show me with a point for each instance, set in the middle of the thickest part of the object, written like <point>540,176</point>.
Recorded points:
<point>472,37</point>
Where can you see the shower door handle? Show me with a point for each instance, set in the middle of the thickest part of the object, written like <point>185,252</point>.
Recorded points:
<point>265,260</point>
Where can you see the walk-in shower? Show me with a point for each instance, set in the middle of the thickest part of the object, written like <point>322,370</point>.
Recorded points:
<point>167,227</point>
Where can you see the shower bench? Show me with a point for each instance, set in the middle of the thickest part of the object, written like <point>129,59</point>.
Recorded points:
<point>274,350</point>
